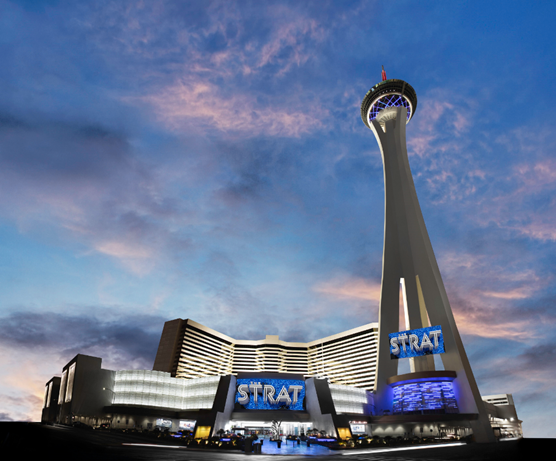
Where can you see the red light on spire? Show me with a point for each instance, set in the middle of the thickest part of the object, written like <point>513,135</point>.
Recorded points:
<point>383,74</point>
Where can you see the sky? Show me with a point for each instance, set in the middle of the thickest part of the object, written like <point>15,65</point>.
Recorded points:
<point>207,160</point>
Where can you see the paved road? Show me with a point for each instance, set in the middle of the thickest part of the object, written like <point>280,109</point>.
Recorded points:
<point>31,439</point>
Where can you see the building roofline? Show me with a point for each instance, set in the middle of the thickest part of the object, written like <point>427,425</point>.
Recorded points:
<point>273,340</point>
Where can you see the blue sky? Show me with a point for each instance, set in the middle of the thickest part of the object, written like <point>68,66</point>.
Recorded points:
<point>207,160</point>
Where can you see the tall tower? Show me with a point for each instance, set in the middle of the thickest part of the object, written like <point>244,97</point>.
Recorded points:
<point>409,268</point>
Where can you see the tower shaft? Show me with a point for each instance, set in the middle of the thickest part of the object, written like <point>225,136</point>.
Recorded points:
<point>408,256</point>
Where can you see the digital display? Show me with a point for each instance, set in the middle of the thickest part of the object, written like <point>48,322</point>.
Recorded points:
<point>358,428</point>
<point>270,394</point>
<point>415,398</point>
<point>187,425</point>
<point>160,422</point>
<point>416,343</point>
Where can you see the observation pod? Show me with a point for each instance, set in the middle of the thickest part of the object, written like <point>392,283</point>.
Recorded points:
<point>410,272</point>
<point>389,93</point>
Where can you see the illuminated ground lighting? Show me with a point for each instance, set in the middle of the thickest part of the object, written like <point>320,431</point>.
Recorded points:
<point>151,445</point>
<point>385,450</point>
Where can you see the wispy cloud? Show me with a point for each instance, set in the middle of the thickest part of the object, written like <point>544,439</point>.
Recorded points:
<point>212,71</point>
<point>348,287</point>
<point>487,298</point>
<point>198,104</point>
<point>523,200</point>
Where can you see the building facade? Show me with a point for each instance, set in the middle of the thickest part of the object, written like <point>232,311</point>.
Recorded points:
<point>189,350</point>
<point>331,394</point>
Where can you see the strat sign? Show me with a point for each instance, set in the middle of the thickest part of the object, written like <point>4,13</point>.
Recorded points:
<point>415,343</point>
<point>270,394</point>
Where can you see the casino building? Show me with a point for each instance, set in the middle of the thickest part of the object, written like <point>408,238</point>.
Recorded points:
<point>343,385</point>
<point>203,381</point>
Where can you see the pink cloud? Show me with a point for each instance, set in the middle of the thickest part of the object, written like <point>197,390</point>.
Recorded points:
<point>202,105</point>
<point>478,325</point>
<point>517,293</point>
<point>511,210</point>
<point>345,287</point>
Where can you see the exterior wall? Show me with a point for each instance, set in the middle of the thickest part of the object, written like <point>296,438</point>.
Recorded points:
<point>224,412</point>
<point>169,346</point>
<point>139,422</point>
<point>319,407</point>
<point>352,400</point>
<point>85,391</point>
<point>503,415</point>
<point>347,358</point>
<point>419,430</point>
<point>50,405</point>
<point>499,399</point>
<point>203,353</point>
<point>159,389</point>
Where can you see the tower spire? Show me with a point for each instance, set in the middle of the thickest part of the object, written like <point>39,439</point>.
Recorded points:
<point>383,74</point>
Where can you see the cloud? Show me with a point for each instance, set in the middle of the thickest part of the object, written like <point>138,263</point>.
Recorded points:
<point>198,104</point>
<point>212,72</point>
<point>523,202</point>
<point>442,118</point>
<point>494,296</point>
<point>125,342</point>
<point>86,182</point>
<point>518,293</point>
<point>291,36</point>
<point>344,287</point>
<point>37,345</point>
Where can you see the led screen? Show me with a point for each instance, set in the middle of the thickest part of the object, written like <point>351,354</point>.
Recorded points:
<point>161,422</point>
<point>424,397</point>
<point>415,343</point>
<point>187,425</point>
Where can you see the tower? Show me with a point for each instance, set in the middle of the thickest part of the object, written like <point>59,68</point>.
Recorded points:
<point>409,264</point>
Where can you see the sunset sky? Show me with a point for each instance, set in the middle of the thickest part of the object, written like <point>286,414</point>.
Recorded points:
<point>207,160</point>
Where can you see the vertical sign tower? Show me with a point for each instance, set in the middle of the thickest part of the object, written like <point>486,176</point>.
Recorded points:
<point>409,264</point>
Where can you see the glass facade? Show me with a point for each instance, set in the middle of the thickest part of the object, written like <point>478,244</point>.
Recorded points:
<point>390,100</point>
<point>349,399</point>
<point>69,388</point>
<point>159,389</point>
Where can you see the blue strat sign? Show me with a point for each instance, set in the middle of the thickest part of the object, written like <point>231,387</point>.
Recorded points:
<point>270,394</point>
<point>415,343</point>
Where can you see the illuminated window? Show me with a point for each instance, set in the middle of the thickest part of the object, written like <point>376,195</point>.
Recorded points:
<point>69,389</point>
<point>389,100</point>
<point>62,393</point>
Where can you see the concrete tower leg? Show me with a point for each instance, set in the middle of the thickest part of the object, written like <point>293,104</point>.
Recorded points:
<point>408,255</point>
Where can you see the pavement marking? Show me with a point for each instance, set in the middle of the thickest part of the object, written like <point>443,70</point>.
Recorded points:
<point>389,450</point>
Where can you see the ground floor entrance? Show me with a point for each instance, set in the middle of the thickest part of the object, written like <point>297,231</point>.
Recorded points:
<point>268,429</point>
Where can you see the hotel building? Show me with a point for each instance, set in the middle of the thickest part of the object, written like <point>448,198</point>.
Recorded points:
<point>197,374</point>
